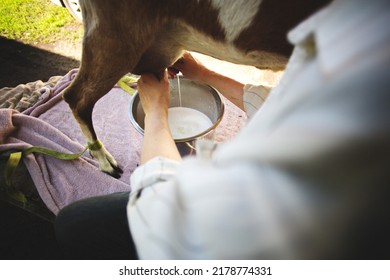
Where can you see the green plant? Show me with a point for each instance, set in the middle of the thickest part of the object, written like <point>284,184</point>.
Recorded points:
<point>33,21</point>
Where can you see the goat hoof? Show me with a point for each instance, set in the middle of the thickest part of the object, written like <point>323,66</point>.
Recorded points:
<point>111,168</point>
<point>116,172</point>
<point>107,163</point>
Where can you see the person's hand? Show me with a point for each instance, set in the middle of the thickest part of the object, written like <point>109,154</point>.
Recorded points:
<point>196,71</point>
<point>154,94</point>
<point>189,67</point>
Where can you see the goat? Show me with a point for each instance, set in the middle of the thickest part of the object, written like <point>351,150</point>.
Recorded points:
<point>140,36</point>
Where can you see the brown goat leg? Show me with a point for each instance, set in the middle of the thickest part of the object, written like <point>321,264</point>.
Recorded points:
<point>81,97</point>
<point>110,51</point>
<point>98,74</point>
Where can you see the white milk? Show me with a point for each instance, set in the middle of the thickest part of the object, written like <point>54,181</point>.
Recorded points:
<point>186,122</point>
<point>178,87</point>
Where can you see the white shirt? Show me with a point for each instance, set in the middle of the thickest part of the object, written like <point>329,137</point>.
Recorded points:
<point>305,172</point>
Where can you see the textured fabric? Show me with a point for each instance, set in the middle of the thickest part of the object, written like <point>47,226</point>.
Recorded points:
<point>48,122</point>
<point>254,97</point>
<point>25,96</point>
<point>307,177</point>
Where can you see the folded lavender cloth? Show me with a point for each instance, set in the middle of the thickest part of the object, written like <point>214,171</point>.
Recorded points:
<point>49,123</point>
<point>25,96</point>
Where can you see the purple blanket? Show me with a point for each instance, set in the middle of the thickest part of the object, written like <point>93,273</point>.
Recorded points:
<point>50,123</point>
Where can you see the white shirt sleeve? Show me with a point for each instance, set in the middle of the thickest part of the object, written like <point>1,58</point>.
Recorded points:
<point>254,97</point>
<point>209,211</point>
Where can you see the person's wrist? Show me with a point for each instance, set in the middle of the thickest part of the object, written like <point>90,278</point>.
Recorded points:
<point>204,75</point>
<point>158,113</point>
<point>156,121</point>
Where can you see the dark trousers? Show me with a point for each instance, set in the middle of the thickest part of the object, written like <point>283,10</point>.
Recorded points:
<point>96,228</point>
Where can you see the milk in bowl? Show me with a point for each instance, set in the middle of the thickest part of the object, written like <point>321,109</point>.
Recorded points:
<point>187,122</point>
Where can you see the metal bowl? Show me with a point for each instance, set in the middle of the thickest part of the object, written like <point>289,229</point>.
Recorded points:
<point>194,95</point>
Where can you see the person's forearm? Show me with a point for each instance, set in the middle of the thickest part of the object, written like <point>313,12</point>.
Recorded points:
<point>158,140</point>
<point>231,89</point>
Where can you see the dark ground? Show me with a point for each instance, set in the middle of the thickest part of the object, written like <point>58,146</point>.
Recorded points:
<point>22,234</point>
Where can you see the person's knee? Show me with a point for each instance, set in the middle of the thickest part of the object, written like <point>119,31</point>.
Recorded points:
<point>67,223</point>
<point>95,228</point>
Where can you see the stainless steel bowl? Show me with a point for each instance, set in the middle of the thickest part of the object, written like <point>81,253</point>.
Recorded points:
<point>194,95</point>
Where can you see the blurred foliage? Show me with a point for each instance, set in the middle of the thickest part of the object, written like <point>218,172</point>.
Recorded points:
<point>37,21</point>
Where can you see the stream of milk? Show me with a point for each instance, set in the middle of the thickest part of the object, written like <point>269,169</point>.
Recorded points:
<point>178,86</point>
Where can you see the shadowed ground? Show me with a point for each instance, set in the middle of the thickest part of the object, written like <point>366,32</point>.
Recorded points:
<point>22,234</point>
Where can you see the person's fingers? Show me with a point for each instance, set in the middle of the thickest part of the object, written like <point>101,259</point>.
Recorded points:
<point>172,72</point>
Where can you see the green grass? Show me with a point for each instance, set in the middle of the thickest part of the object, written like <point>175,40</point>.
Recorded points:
<point>37,21</point>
